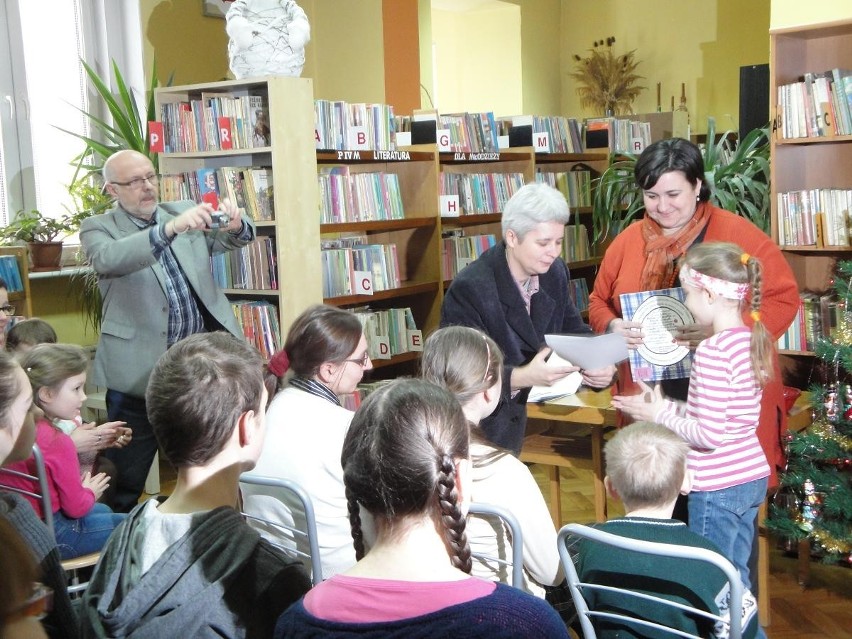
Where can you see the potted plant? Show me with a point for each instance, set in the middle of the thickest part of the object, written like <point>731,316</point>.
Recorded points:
<point>39,233</point>
<point>738,177</point>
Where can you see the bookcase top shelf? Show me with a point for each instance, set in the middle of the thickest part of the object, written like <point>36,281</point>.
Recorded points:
<point>471,220</point>
<point>463,157</point>
<point>218,153</point>
<point>827,139</point>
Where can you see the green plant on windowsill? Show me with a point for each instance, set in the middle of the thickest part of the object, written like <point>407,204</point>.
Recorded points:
<point>738,177</point>
<point>32,227</point>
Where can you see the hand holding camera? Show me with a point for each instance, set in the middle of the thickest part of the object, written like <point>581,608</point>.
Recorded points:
<point>205,217</point>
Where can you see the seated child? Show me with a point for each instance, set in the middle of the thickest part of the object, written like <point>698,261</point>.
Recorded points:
<point>191,566</point>
<point>28,333</point>
<point>89,438</point>
<point>406,462</point>
<point>57,373</point>
<point>646,468</point>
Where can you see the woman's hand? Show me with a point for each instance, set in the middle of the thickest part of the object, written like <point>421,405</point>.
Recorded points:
<point>642,407</point>
<point>631,331</point>
<point>690,335</point>
<point>124,435</point>
<point>538,372</point>
<point>599,378</point>
<point>97,484</point>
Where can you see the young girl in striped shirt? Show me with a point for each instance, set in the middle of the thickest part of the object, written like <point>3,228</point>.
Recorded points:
<point>719,418</point>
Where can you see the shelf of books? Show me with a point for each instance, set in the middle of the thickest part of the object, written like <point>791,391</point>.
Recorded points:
<point>379,230</point>
<point>251,141</point>
<point>14,269</point>
<point>811,184</point>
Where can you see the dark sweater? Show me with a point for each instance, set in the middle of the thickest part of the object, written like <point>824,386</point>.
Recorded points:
<point>219,580</point>
<point>484,295</point>
<point>507,613</point>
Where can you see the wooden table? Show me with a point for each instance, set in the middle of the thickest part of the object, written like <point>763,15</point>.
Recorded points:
<point>554,450</point>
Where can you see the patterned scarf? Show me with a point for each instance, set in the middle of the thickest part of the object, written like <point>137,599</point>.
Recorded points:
<point>662,251</point>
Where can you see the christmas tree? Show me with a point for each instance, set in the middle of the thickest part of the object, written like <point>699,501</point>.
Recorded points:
<point>815,498</point>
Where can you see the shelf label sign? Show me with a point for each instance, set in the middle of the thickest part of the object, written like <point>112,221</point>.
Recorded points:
<point>637,145</point>
<point>450,206</point>
<point>155,136</point>
<point>363,283</point>
<point>403,138</point>
<point>225,141</point>
<point>444,145</point>
<point>381,346</point>
<point>541,142</point>
<point>415,340</point>
<point>358,138</point>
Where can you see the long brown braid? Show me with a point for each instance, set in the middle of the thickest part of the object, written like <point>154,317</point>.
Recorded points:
<point>399,460</point>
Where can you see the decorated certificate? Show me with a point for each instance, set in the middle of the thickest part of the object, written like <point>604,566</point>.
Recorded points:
<point>661,313</point>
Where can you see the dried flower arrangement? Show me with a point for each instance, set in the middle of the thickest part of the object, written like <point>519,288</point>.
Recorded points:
<point>607,83</point>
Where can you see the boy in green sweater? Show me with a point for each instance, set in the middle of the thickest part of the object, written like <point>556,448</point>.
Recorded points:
<point>646,469</point>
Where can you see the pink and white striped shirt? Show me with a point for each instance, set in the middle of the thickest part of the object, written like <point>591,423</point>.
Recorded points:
<point>719,419</point>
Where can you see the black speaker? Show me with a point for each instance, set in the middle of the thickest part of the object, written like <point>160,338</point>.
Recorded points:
<point>754,97</point>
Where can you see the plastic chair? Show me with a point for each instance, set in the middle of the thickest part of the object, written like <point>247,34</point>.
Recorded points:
<point>510,522</point>
<point>578,588</point>
<point>71,566</point>
<point>308,534</point>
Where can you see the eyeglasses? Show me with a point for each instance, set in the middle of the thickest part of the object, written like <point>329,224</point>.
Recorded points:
<point>8,309</point>
<point>361,361</point>
<point>137,183</point>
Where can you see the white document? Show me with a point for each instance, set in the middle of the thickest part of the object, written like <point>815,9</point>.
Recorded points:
<point>589,352</point>
<point>568,385</point>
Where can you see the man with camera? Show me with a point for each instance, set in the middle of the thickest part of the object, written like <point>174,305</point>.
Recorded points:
<point>153,265</point>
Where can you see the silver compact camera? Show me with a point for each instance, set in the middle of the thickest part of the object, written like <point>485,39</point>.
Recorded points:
<point>219,220</point>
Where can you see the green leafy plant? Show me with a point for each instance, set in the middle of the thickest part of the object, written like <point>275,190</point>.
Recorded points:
<point>129,127</point>
<point>32,226</point>
<point>737,174</point>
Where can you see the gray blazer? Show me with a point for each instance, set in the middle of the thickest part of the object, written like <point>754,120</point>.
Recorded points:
<point>132,282</point>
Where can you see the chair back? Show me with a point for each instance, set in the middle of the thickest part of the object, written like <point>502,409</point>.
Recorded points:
<point>732,617</point>
<point>308,534</point>
<point>40,479</point>
<point>508,520</point>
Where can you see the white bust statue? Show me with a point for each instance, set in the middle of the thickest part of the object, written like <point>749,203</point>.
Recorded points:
<point>268,37</point>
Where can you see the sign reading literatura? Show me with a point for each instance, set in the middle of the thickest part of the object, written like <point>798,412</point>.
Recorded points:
<point>377,155</point>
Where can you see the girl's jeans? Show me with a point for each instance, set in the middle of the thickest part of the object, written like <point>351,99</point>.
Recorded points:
<point>726,517</point>
<point>75,537</point>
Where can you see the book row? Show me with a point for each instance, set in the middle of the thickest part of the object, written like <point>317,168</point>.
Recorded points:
<point>11,273</point>
<point>250,188</point>
<point>575,243</point>
<point>814,217</point>
<point>575,185</point>
<point>618,135</point>
<point>818,317</point>
<point>259,323</point>
<point>389,331</point>
<point>342,126</point>
<point>215,122</point>
<point>578,291</point>
<point>820,104</point>
<point>251,267</point>
<point>477,193</point>
<point>548,133</point>
<point>359,269</point>
<point>358,197</point>
<point>459,250</point>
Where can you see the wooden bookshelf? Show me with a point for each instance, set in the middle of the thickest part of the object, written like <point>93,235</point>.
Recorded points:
<point>292,158</point>
<point>808,163</point>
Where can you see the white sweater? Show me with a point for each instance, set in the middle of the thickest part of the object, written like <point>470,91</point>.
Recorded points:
<point>304,439</point>
<point>507,482</point>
